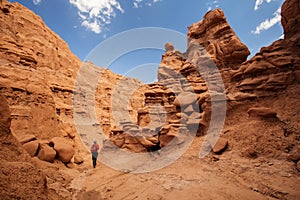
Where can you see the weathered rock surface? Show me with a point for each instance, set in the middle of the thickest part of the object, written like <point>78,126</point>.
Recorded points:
<point>220,146</point>
<point>22,180</point>
<point>181,90</point>
<point>294,155</point>
<point>117,100</point>
<point>269,71</point>
<point>33,61</point>
<point>215,35</point>
<point>32,147</point>
<point>4,116</point>
<point>169,47</point>
<point>275,67</point>
<point>262,112</point>
<point>184,99</point>
<point>26,138</point>
<point>64,148</point>
<point>19,179</point>
<point>290,13</point>
<point>78,159</point>
<point>160,121</point>
<point>46,153</point>
<point>298,166</point>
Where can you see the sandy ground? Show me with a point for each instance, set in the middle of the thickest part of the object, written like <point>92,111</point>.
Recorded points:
<point>228,176</point>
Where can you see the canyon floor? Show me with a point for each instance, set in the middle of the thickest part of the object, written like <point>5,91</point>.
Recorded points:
<point>228,176</point>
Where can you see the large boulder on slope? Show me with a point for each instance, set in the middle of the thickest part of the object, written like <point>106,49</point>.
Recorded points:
<point>32,147</point>
<point>64,148</point>
<point>46,153</point>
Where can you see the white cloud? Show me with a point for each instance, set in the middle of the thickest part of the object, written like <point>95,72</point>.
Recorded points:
<point>140,3</point>
<point>137,3</point>
<point>212,4</point>
<point>95,14</point>
<point>83,17</point>
<point>268,23</point>
<point>259,2</point>
<point>93,26</point>
<point>36,2</point>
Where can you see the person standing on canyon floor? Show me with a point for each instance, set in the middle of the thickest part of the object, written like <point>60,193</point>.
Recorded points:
<point>94,151</point>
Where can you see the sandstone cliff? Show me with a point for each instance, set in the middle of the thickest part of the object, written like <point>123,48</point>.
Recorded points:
<point>37,74</point>
<point>265,86</point>
<point>37,77</point>
<point>182,98</point>
<point>275,67</point>
<point>269,83</point>
<point>217,37</point>
<point>18,178</point>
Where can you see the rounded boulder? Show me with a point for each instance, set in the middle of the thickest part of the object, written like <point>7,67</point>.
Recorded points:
<point>32,147</point>
<point>64,148</point>
<point>46,153</point>
<point>185,99</point>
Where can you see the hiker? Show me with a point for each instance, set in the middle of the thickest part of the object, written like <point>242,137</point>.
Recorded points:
<point>94,151</point>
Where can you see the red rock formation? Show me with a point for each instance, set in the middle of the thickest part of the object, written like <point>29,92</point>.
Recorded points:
<point>178,75</point>
<point>275,67</point>
<point>19,179</point>
<point>37,75</point>
<point>290,14</point>
<point>267,74</point>
<point>33,62</point>
<point>64,148</point>
<point>159,122</point>
<point>27,41</point>
<point>215,35</point>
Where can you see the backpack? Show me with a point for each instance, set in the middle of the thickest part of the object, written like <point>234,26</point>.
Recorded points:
<point>94,148</point>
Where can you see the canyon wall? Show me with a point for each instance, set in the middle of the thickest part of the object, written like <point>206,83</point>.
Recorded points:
<point>37,77</point>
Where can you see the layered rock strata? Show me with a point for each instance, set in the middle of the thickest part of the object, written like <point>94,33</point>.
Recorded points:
<point>189,85</point>
<point>275,67</point>
<point>217,37</point>
<point>38,73</point>
<point>19,179</point>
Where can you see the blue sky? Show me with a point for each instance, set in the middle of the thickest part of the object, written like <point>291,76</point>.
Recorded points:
<point>84,24</point>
